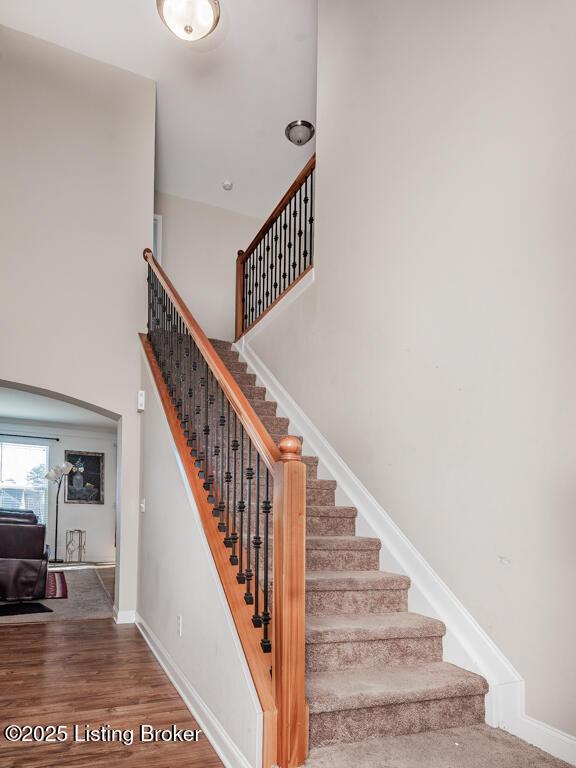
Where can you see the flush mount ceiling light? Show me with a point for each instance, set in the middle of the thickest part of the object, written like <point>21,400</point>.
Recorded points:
<point>189,19</point>
<point>299,131</point>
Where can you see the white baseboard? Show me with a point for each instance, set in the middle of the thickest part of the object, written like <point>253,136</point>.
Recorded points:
<point>561,745</point>
<point>124,617</point>
<point>226,749</point>
<point>466,643</point>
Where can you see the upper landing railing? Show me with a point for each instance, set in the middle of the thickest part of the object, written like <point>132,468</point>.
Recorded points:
<point>280,255</point>
<point>251,497</point>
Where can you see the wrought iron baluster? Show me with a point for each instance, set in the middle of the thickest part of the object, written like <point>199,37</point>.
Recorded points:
<point>241,507</point>
<point>228,479</point>
<point>180,366</point>
<point>221,479</point>
<point>149,281</point>
<point>211,437</point>
<point>305,221</point>
<point>245,306</point>
<point>294,214</point>
<point>212,444</point>
<point>311,219</point>
<point>195,409</point>
<point>266,273</point>
<point>286,259</point>
<point>300,231</point>
<point>248,571</point>
<point>257,543</point>
<point>234,534</point>
<point>252,302</point>
<point>266,617</point>
<point>185,381</point>
<point>275,271</point>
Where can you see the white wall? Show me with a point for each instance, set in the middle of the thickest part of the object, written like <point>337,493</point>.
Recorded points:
<point>76,181</point>
<point>178,577</point>
<point>199,247</point>
<point>435,349</point>
<point>98,520</point>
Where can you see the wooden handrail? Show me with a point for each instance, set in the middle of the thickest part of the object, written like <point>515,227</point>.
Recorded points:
<point>296,184</point>
<point>280,254</point>
<point>265,445</point>
<point>282,694</point>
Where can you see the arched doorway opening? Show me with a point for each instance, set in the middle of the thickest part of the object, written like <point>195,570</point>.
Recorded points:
<point>42,431</point>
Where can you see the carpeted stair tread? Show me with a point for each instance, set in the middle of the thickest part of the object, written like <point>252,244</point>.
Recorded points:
<point>365,688</point>
<point>277,436</point>
<point>363,627</point>
<point>472,746</point>
<point>342,542</point>
<point>342,581</point>
<point>330,511</point>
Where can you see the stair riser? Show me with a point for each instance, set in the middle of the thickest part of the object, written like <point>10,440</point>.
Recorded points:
<point>326,603</point>
<point>330,526</point>
<point>316,497</point>
<point>236,367</point>
<point>253,393</point>
<point>342,560</point>
<point>276,425</point>
<point>325,657</point>
<point>394,720</point>
<point>265,408</point>
<point>245,379</point>
<point>311,470</point>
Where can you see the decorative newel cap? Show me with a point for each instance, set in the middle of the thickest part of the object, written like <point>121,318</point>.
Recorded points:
<point>290,448</point>
<point>147,252</point>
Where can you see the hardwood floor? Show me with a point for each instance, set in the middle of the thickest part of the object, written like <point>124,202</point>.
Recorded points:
<point>96,673</point>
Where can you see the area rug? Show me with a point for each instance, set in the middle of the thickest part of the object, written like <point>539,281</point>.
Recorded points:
<point>86,600</point>
<point>56,586</point>
<point>23,609</point>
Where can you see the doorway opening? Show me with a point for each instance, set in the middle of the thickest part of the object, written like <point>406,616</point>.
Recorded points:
<point>58,509</point>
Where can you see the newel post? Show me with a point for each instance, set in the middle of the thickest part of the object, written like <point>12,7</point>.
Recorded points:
<point>239,296</point>
<point>289,606</point>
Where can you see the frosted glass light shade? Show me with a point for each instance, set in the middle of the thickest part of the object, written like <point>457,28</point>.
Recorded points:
<point>189,19</point>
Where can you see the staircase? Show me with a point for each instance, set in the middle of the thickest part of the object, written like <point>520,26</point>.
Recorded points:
<point>373,669</point>
<point>345,675</point>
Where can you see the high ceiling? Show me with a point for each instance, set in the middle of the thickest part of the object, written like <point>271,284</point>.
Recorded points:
<point>223,102</point>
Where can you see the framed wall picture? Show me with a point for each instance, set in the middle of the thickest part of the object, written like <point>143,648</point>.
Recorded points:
<point>85,483</point>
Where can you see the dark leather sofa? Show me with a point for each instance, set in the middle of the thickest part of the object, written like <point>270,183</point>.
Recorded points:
<point>23,556</point>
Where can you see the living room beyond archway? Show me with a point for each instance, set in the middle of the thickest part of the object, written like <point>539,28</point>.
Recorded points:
<point>58,495</point>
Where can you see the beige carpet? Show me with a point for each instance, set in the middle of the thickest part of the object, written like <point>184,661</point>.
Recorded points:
<point>87,599</point>
<point>476,746</point>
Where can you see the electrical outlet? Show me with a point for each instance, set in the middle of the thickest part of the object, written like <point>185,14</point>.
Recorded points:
<point>179,626</point>
<point>141,400</point>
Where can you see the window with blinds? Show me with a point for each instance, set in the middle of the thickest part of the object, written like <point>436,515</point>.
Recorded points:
<point>22,483</point>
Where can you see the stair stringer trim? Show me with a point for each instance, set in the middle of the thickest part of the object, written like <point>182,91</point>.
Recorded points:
<point>466,644</point>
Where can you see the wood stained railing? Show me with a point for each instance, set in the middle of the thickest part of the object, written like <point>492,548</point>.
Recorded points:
<point>251,493</point>
<point>279,256</point>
